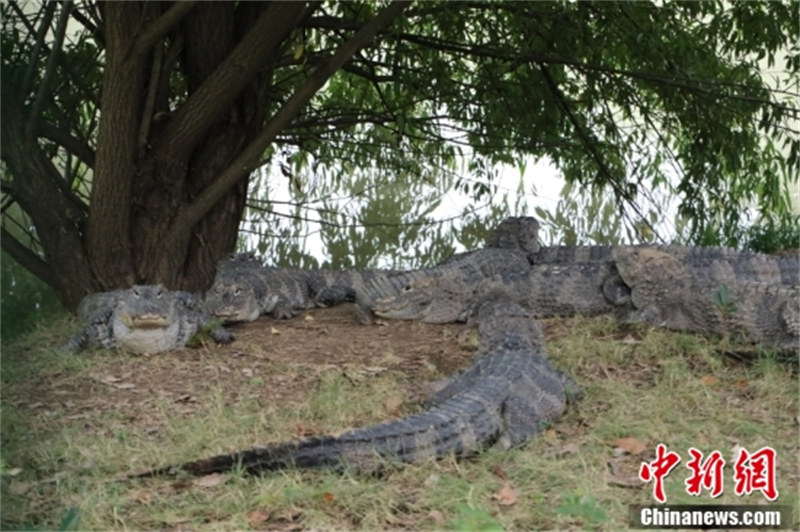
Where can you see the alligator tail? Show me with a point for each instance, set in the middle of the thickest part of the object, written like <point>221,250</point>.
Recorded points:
<point>460,426</point>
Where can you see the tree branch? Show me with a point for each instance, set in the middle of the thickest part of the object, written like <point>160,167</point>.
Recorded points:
<point>27,258</point>
<point>202,110</point>
<point>50,9</point>
<point>157,29</point>
<point>589,145</point>
<point>76,146</point>
<point>55,211</point>
<point>49,72</point>
<point>246,161</point>
<point>329,22</point>
<point>89,25</point>
<point>150,99</point>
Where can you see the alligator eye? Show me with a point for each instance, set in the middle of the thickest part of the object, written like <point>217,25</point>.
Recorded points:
<point>407,288</point>
<point>237,291</point>
<point>160,292</point>
<point>136,293</point>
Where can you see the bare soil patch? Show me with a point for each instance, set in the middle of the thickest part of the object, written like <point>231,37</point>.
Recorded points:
<point>276,362</point>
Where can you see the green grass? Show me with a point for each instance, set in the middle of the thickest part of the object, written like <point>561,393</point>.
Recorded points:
<point>62,464</point>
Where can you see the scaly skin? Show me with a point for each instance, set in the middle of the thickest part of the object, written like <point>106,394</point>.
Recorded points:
<point>551,289</point>
<point>665,292</point>
<point>711,263</point>
<point>245,289</point>
<point>142,319</point>
<point>505,396</point>
<point>517,232</point>
<point>462,272</point>
<point>562,282</point>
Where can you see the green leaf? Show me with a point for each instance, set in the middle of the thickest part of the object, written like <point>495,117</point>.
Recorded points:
<point>70,520</point>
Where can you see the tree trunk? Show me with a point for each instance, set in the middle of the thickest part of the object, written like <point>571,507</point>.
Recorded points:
<point>168,188</point>
<point>210,33</point>
<point>115,171</point>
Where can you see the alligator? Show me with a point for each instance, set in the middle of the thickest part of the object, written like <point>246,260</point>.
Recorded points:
<point>714,263</point>
<point>551,290</point>
<point>560,281</point>
<point>667,292</point>
<point>464,272</point>
<point>244,289</point>
<point>503,398</point>
<point>142,319</point>
<point>711,263</point>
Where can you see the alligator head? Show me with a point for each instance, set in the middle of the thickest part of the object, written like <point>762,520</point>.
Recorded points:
<point>429,299</point>
<point>146,319</point>
<point>232,302</point>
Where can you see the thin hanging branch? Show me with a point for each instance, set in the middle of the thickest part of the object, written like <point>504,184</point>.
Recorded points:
<point>49,72</point>
<point>150,99</point>
<point>38,45</point>
<point>587,142</point>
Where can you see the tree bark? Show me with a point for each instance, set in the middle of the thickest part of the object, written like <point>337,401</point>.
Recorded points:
<point>109,229</point>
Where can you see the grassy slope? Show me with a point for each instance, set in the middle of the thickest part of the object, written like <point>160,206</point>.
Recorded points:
<point>649,385</point>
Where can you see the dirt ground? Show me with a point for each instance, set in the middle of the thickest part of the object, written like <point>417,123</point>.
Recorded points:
<point>284,358</point>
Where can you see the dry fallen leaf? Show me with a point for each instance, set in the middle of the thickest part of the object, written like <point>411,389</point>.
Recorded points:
<point>210,481</point>
<point>287,520</point>
<point>506,496</point>
<point>18,487</point>
<point>622,473</point>
<point>393,403</point>
<point>328,496</point>
<point>625,482</point>
<point>498,471</point>
<point>309,317</point>
<point>141,497</point>
<point>301,430</point>
<point>437,516</point>
<point>273,330</point>
<point>709,380</point>
<point>630,445</point>
<point>256,518</point>
<point>432,480</point>
<point>569,448</point>
<point>178,486</point>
